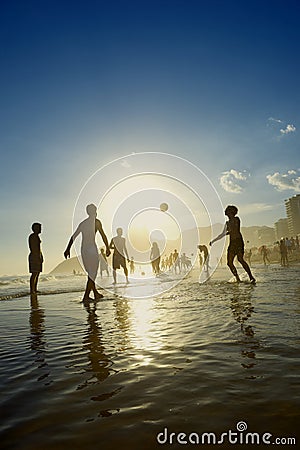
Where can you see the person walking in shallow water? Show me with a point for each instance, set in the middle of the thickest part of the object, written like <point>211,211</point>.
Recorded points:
<point>118,244</point>
<point>264,253</point>
<point>236,243</point>
<point>155,258</point>
<point>35,258</point>
<point>283,253</point>
<point>89,250</point>
<point>203,248</point>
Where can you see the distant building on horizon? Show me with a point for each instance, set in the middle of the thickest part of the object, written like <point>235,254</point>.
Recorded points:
<point>281,229</point>
<point>292,206</point>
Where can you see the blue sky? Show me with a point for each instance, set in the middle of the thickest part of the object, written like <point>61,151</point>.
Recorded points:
<point>83,83</point>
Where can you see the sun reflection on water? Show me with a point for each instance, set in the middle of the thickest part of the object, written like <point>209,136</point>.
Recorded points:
<point>145,337</point>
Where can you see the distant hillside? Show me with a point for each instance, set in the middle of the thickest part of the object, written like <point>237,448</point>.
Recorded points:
<point>256,236</point>
<point>68,266</point>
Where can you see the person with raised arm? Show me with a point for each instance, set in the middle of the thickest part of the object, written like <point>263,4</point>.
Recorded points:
<point>236,242</point>
<point>89,250</point>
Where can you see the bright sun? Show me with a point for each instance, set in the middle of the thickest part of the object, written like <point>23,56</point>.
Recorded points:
<point>149,225</point>
<point>150,207</point>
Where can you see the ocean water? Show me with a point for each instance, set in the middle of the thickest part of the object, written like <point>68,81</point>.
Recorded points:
<point>134,373</point>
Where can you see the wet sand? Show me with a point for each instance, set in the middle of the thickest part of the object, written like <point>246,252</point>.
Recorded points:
<point>114,374</point>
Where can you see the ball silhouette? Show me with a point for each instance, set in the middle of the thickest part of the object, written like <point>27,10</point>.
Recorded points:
<point>164,207</point>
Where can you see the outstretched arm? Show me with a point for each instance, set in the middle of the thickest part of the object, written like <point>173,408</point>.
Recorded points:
<point>126,252</point>
<point>103,235</point>
<point>221,235</point>
<point>72,238</point>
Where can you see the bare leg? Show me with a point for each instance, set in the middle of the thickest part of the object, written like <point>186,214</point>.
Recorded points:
<point>230,258</point>
<point>97,294</point>
<point>246,267</point>
<point>157,269</point>
<point>153,266</point>
<point>33,282</point>
<point>115,276</point>
<point>89,287</point>
<point>36,281</point>
<point>126,274</point>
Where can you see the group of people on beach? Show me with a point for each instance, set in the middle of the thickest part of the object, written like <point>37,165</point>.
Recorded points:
<point>90,256</point>
<point>176,262</point>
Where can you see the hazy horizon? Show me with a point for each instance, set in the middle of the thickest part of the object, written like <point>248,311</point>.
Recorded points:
<point>217,227</point>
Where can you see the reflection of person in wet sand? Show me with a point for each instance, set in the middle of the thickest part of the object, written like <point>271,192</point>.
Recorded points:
<point>242,310</point>
<point>37,338</point>
<point>99,364</point>
<point>155,258</point>
<point>236,243</point>
<point>118,244</point>
<point>35,257</point>
<point>89,251</point>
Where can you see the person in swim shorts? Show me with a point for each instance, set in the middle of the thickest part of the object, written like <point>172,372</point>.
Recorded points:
<point>236,242</point>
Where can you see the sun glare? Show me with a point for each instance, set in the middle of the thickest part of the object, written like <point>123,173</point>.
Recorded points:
<point>149,225</point>
<point>143,316</point>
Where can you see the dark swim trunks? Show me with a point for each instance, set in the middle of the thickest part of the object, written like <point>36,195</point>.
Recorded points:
<point>118,260</point>
<point>236,247</point>
<point>35,263</point>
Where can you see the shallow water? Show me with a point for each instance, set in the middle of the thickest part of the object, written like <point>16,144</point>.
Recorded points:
<point>198,358</point>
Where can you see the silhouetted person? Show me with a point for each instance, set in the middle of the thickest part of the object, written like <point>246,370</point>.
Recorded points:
<point>170,261</point>
<point>236,243</point>
<point>200,259</point>
<point>35,257</point>
<point>176,261</point>
<point>249,256</point>
<point>184,262</point>
<point>89,251</point>
<point>288,245</point>
<point>264,254</point>
<point>103,263</point>
<point>118,244</point>
<point>131,265</point>
<point>283,253</point>
<point>155,258</point>
<point>203,248</point>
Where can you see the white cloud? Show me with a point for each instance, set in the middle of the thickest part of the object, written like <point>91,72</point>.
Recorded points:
<point>272,119</point>
<point>233,181</point>
<point>254,208</point>
<point>288,129</point>
<point>285,181</point>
